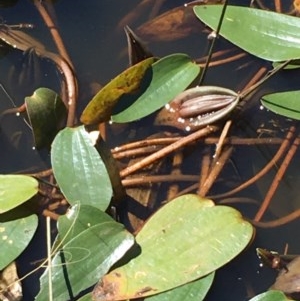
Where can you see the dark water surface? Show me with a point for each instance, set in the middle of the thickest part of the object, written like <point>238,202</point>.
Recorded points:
<point>98,51</point>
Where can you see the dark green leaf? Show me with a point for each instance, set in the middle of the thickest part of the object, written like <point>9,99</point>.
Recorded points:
<point>47,114</point>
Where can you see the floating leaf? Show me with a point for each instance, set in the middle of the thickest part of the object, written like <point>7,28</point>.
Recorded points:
<point>15,190</point>
<point>271,296</point>
<point>185,240</point>
<point>78,219</point>
<point>79,170</point>
<point>15,234</point>
<point>47,114</point>
<point>100,107</point>
<point>92,247</point>
<point>283,103</point>
<point>257,31</point>
<point>195,290</point>
<point>171,75</point>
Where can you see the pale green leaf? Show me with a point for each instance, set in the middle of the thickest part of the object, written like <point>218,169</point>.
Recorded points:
<point>271,296</point>
<point>15,190</point>
<point>185,240</point>
<point>88,252</point>
<point>283,103</point>
<point>268,35</point>
<point>79,170</point>
<point>195,290</point>
<point>15,234</point>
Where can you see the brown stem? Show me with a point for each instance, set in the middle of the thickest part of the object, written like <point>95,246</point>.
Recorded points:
<point>167,150</point>
<point>222,138</point>
<point>285,144</point>
<point>226,60</point>
<point>53,30</point>
<point>215,171</point>
<point>205,167</point>
<point>144,143</point>
<point>120,151</point>
<point>146,180</point>
<point>280,173</point>
<point>278,222</point>
<point>63,62</point>
<point>176,172</point>
<point>71,83</point>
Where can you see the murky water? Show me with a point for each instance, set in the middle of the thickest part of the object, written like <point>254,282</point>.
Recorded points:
<point>97,46</point>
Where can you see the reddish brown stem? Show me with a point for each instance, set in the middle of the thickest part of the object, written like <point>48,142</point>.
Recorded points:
<point>285,144</point>
<point>167,150</point>
<point>280,173</point>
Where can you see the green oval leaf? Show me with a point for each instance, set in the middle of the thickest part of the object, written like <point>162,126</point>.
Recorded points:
<point>15,235</point>
<point>100,107</point>
<point>15,190</point>
<point>268,35</point>
<point>47,114</point>
<point>185,240</point>
<point>283,103</point>
<point>87,255</point>
<point>171,75</point>
<point>79,170</point>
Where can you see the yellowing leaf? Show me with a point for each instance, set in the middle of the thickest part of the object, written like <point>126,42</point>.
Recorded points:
<point>100,107</point>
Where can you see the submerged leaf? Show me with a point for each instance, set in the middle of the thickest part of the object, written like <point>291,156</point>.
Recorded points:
<point>47,114</point>
<point>15,190</point>
<point>209,236</point>
<point>171,75</point>
<point>268,35</point>
<point>176,23</point>
<point>100,107</point>
<point>79,170</point>
<point>283,103</point>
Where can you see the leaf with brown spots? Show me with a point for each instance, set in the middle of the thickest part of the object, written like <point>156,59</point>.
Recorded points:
<point>185,240</point>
